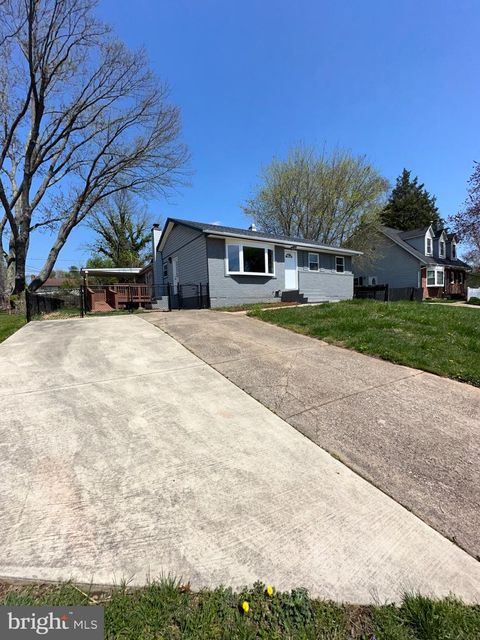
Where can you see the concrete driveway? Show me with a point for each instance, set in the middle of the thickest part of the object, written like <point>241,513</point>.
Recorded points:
<point>124,456</point>
<point>414,435</point>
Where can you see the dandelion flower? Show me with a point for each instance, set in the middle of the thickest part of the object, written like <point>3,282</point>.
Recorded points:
<point>245,606</point>
<point>270,590</point>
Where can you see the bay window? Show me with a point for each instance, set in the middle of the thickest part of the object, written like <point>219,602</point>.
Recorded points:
<point>435,277</point>
<point>249,259</point>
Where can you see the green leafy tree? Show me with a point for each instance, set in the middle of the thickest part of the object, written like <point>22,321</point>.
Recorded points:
<point>410,205</point>
<point>123,232</point>
<point>322,197</point>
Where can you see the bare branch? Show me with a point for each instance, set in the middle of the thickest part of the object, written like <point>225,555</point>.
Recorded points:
<point>82,118</point>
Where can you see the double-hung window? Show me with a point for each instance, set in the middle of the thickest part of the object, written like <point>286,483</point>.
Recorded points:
<point>313,262</point>
<point>428,249</point>
<point>435,277</point>
<point>442,249</point>
<point>339,264</point>
<point>249,259</point>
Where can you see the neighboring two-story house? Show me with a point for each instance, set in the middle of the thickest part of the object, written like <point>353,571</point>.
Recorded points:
<point>422,258</point>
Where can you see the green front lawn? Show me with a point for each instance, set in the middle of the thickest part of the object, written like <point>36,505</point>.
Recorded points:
<point>168,611</point>
<point>9,324</point>
<point>254,305</point>
<point>436,338</point>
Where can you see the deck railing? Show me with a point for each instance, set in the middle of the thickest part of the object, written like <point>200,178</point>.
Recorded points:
<point>455,289</point>
<point>118,296</point>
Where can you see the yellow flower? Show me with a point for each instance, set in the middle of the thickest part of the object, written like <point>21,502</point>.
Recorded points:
<point>270,590</point>
<point>245,606</point>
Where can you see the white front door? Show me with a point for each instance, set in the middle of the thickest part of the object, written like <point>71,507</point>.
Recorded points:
<point>291,274</point>
<point>175,275</point>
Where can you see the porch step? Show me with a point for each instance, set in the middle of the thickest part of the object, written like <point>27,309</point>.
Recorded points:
<point>293,296</point>
<point>102,306</point>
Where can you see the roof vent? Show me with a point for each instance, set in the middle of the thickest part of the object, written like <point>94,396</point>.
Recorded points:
<point>252,227</point>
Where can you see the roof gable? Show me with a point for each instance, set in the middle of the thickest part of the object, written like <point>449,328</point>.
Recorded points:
<point>397,236</point>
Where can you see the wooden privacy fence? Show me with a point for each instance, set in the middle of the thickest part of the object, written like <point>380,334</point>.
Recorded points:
<point>37,303</point>
<point>473,293</point>
<point>385,293</point>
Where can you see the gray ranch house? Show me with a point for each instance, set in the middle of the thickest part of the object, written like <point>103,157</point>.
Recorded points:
<point>240,266</point>
<point>425,259</point>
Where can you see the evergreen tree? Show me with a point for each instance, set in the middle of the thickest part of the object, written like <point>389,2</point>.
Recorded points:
<point>410,206</point>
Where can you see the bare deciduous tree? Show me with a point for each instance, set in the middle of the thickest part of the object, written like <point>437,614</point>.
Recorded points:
<point>467,221</point>
<point>317,197</point>
<point>82,117</point>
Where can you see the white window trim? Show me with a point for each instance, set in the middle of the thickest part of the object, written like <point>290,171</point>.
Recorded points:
<point>436,270</point>
<point>342,258</point>
<point>247,243</point>
<point>318,261</point>
<point>453,250</point>
<point>441,253</point>
<point>427,238</point>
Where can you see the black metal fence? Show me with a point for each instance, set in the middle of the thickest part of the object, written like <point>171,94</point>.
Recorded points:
<point>385,293</point>
<point>189,296</point>
<point>98,298</point>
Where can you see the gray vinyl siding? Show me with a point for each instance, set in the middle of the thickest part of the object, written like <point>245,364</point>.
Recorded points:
<point>417,243</point>
<point>228,290</point>
<point>391,265</point>
<point>325,284</point>
<point>190,246</point>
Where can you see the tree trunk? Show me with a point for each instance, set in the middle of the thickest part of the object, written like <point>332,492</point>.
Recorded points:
<point>20,283</point>
<point>4,291</point>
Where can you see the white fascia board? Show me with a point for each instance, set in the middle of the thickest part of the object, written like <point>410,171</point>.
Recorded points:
<point>165,235</point>
<point>287,243</point>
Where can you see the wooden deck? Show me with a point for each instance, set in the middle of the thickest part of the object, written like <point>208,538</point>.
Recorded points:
<point>117,296</point>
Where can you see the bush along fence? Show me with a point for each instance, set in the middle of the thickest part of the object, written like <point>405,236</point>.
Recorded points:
<point>385,293</point>
<point>37,304</point>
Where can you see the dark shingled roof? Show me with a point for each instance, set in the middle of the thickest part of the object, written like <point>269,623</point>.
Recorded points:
<point>399,238</point>
<point>413,233</point>
<point>235,231</point>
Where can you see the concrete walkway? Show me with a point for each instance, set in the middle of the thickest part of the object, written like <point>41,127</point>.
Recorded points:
<point>413,434</point>
<point>124,456</point>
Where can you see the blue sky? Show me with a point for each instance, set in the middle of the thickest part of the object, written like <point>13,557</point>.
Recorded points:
<point>397,81</point>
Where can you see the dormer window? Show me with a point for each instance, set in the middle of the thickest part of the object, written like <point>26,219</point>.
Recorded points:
<point>454,251</point>
<point>428,249</point>
<point>442,249</point>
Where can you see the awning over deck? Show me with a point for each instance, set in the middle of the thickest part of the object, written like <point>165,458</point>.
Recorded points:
<point>112,271</point>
